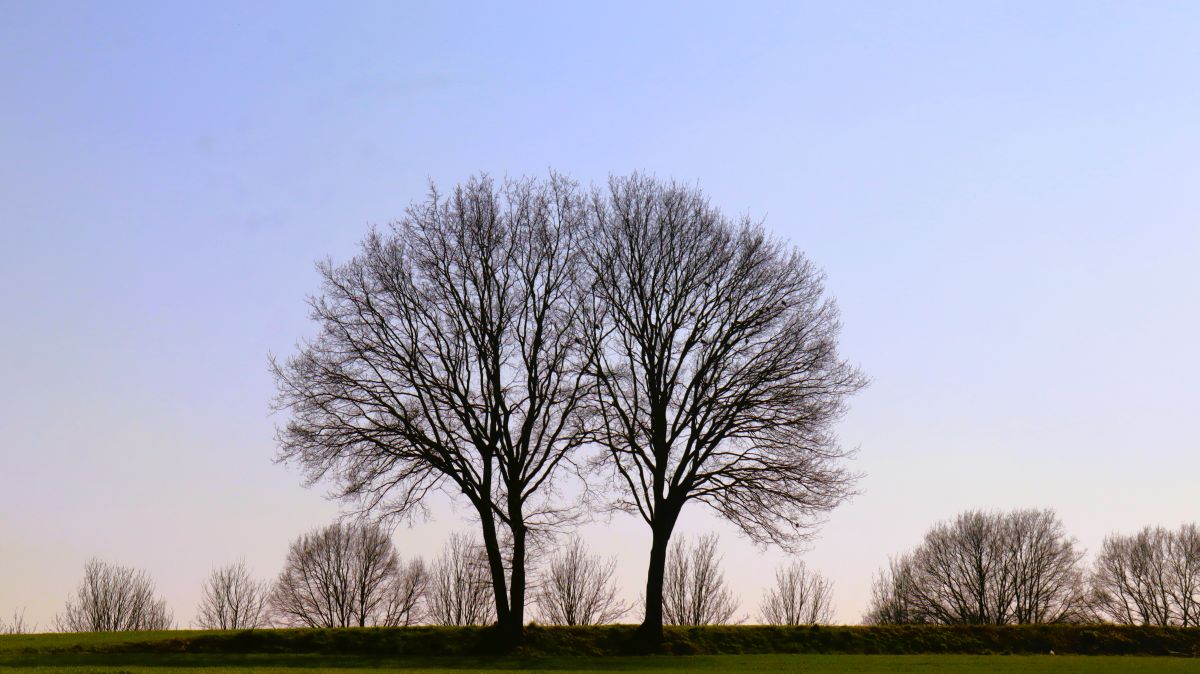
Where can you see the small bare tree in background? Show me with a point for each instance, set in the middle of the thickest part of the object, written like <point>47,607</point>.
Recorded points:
<point>577,589</point>
<point>958,571</point>
<point>15,625</point>
<point>1149,578</point>
<point>460,588</point>
<point>344,575</point>
<point>799,597</point>
<point>1184,555</point>
<point>694,591</point>
<point>1042,569</point>
<point>233,600</point>
<point>893,595</point>
<point>405,595</point>
<point>113,598</point>
<point>986,568</point>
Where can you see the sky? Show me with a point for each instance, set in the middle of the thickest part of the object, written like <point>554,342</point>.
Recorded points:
<point>1003,197</point>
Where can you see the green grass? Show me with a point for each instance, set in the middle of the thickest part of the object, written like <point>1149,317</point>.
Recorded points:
<point>610,649</point>
<point>620,640</point>
<point>841,664</point>
<point>54,642</point>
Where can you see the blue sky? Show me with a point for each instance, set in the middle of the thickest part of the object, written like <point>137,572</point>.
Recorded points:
<point>1003,196</point>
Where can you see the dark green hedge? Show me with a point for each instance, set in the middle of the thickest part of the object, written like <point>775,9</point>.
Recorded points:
<point>620,640</point>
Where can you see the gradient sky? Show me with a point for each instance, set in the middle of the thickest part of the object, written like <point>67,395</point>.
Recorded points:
<point>1005,197</point>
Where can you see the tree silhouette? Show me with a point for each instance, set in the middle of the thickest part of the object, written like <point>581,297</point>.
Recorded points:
<point>113,598</point>
<point>232,599</point>
<point>718,379</point>
<point>450,358</point>
<point>344,575</point>
<point>576,589</point>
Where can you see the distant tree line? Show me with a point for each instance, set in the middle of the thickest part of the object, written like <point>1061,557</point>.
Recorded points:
<point>1021,567</point>
<point>982,567</point>
<point>349,574</point>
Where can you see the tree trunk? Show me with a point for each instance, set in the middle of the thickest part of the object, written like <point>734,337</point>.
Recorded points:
<point>491,543</point>
<point>514,631</point>
<point>652,626</point>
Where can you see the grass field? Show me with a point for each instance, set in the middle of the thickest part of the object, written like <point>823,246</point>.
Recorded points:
<point>841,664</point>
<point>715,649</point>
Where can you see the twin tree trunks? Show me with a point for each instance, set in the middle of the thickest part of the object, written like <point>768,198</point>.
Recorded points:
<point>510,607</point>
<point>507,343</point>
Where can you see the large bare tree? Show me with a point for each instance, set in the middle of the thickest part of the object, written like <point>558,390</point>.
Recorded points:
<point>799,597</point>
<point>577,588</point>
<point>113,598</point>
<point>232,599</point>
<point>1149,578</point>
<point>345,575</point>
<point>718,379</point>
<point>694,589</point>
<point>985,568</point>
<point>450,357</point>
<point>460,584</point>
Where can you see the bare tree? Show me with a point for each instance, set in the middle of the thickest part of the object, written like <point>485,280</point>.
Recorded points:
<point>406,595</point>
<point>799,597</point>
<point>958,571</point>
<point>1184,555</point>
<point>341,576</point>
<point>459,584</point>
<point>718,378</point>
<point>15,625</point>
<point>232,599</point>
<point>450,357</point>
<point>113,598</point>
<point>893,597</point>
<point>577,589</point>
<point>1042,569</point>
<point>1150,578</point>
<point>985,568</point>
<point>694,592</point>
